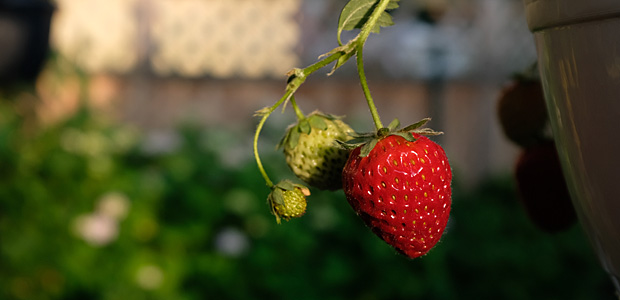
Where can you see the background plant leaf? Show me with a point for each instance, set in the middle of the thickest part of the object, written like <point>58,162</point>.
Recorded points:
<point>356,13</point>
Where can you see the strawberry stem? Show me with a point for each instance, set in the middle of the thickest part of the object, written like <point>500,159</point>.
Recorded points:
<point>296,78</point>
<point>361,40</point>
<point>265,114</point>
<point>298,112</point>
<point>366,89</point>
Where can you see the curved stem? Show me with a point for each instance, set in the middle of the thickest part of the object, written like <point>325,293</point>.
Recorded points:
<point>294,84</point>
<point>261,169</point>
<point>300,115</point>
<point>366,89</point>
<point>265,115</point>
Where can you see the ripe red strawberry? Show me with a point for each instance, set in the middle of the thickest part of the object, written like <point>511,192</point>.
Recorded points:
<point>542,188</point>
<point>401,190</point>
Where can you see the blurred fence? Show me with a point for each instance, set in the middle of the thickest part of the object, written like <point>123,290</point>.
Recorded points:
<point>155,63</point>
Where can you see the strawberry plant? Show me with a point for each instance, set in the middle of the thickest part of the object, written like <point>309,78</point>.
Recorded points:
<point>397,181</point>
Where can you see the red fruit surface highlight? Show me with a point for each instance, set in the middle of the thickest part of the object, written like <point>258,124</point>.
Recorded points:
<point>402,192</point>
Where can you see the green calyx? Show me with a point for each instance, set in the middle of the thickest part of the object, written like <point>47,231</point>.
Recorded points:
<point>369,140</point>
<point>315,120</point>
<point>287,200</point>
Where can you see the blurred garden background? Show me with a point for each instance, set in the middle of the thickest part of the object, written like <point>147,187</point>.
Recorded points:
<point>126,167</point>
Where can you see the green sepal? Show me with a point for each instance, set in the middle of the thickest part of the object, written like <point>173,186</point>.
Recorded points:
<point>393,125</point>
<point>286,185</point>
<point>416,125</point>
<point>367,141</point>
<point>357,140</point>
<point>293,139</point>
<point>367,148</point>
<point>405,135</point>
<point>315,119</point>
<point>428,131</point>
<point>304,126</point>
<point>276,197</point>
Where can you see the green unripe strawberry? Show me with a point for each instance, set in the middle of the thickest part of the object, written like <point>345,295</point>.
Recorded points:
<point>312,153</point>
<point>288,200</point>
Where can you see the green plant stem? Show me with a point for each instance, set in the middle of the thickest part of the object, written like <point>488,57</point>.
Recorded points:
<point>366,89</point>
<point>296,78</point>
<point>300,115</point>
<point>372,20</point>
<point>259,127</point>
<point>361,40</point>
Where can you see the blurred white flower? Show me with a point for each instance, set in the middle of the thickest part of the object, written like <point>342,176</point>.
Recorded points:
<point>96,229</point>
<point>231,242</point>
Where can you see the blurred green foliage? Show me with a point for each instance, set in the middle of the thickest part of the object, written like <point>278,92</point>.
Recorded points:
<point>87,213</point>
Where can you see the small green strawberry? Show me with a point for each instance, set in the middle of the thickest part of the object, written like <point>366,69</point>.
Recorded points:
<point>287,200</point>
<point>399,183</point>
<point>312,152</point>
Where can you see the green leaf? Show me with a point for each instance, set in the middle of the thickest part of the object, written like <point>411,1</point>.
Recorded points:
<point>356,13</point>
